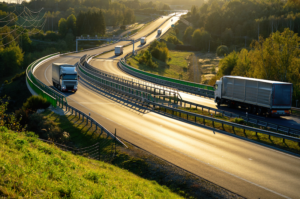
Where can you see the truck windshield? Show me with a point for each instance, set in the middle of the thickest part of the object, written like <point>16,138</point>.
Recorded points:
<point>69,77</point>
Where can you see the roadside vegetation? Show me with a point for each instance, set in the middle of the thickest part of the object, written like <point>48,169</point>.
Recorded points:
<point>30,168</point>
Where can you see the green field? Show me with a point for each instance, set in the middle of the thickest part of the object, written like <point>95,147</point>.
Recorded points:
<point>30,168</point>
<point>141,18</point>
<point>176,67</point>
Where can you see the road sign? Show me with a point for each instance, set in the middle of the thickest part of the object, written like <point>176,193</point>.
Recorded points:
<point>172,25</point>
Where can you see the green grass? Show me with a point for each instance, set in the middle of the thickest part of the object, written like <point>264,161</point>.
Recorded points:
<point>263,138</point>
<point>30,168</point>
<point>177,66</point>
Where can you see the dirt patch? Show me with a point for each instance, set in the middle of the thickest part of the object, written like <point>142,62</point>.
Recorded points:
<point>209,65</point>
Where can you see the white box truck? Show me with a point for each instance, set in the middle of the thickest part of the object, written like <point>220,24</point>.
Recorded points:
<point>118,50</point>
<point>258,96</point>
<point>159,31</point>
<point>64,77</point>
<point>143,40</point>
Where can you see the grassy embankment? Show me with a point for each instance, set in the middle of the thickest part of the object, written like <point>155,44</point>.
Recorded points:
<point>33,169</point>
<point>262,138</point>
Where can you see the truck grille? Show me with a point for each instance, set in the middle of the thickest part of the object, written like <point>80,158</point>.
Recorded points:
<point>69,87</point>
<point>70,83</point>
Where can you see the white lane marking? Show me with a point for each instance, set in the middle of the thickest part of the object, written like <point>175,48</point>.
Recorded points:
<point>187,155</point>
<point>46,75</point>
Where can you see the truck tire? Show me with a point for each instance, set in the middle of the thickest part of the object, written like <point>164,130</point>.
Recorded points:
<point>218,102</point>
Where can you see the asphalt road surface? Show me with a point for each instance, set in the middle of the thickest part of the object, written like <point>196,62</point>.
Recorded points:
<point>244,167</point>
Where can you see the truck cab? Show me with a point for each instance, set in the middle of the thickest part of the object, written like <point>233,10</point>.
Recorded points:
<point>218,91</point>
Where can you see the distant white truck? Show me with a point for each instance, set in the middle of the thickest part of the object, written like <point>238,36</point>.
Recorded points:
<point>159,31</point>
<point>258,96</point>
<point>64,77</point>
<point>143,40</point>
<point>118,50</point>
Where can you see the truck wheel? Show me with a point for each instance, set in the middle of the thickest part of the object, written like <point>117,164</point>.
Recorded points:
<point>218,102</point>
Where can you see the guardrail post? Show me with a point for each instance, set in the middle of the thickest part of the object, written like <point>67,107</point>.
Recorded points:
<point>213,123</point>
<point>83,118</point>
<point>233,129</point>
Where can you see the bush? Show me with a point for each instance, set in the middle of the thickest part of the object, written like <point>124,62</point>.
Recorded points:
<point>239,120</point>
<point>18,76</point>
<point>222,50</point>
<point>45,128</point>
<point>174,40</point>
<point>123,27</point>
<point>34,103</point>
<point>159,50</point>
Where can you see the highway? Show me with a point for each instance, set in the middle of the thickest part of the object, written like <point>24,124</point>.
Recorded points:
<point>246,168</point>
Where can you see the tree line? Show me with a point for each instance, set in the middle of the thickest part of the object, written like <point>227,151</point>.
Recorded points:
<point>238,22</point>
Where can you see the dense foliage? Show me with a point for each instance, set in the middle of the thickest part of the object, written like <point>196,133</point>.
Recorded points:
<point>159,50</point>
<point>238,22</point>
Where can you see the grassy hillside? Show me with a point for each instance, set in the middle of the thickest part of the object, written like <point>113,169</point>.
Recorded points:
<point>32,169</point>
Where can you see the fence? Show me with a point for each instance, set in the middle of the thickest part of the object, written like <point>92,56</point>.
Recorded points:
<point>217,124</point>
<point>248,119</point>
<point>93,151</point>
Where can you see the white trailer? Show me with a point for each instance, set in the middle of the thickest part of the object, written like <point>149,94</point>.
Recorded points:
<point>143,40</point>
<point>118,50</point>
<point>258,96</point>
<point>64,77</point>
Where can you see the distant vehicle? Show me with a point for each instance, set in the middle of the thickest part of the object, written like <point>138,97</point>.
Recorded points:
<point>64,77</point>
<point>159,31</point>
<point>259,96</point>
<point>143,40</point>
<point>118,50</point>
<point>171,19</point>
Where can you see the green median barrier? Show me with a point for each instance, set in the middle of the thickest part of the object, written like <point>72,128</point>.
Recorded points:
<point>206,87</point>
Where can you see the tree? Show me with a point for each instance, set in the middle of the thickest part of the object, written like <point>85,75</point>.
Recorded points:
<point>11,59</point>
<point>227,64</point>
<point>188,34</point>
<point>62,27</point>
<point>166,7</point>
<point>200,39</point>
<point>71,23</point>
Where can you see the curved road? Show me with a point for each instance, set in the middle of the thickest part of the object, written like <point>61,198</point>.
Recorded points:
<point>247,168</point>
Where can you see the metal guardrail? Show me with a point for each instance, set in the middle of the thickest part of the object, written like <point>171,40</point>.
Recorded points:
<point>133,83</point>
<point>141,95</point>
<point>192,117</point>
<point>92,121</point>
<point>278,128</point>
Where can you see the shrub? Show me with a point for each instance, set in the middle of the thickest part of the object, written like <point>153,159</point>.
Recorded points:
<point>174,40</point>
<point>222,50</point>
<point>123,27</point>
<point>239,120</point>
<point>34,103</point>
<point>45,128</point>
